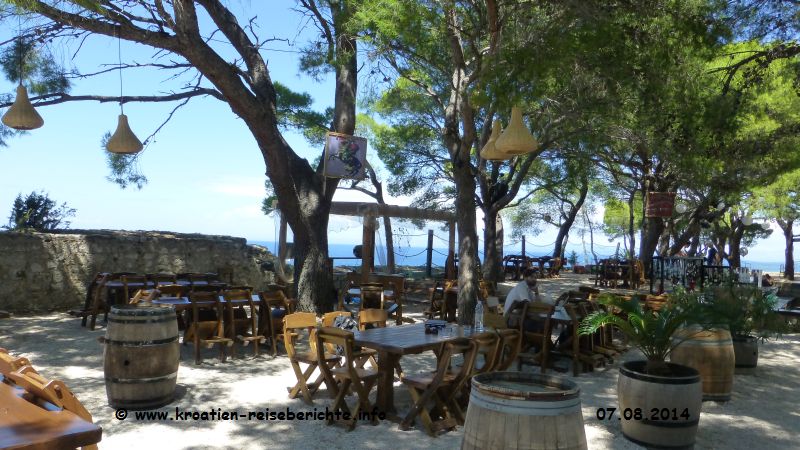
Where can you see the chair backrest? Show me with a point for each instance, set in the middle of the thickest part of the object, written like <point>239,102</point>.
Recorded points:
<point>332,337</point>
<point>328,318</point>
<point>374,317</point>
<point>196,278</point>
<point>293,324</point>
<point>516,314</point>
<point>132,279</point>
<point>488,344</point>
<point>372,295</point>
<point>237,294</point>
<point>463,346</point>
<point>207,301</point>
<point>173,290</point>
<point>493,319</point>
<point>539,312</point>
<point>205,288</point>
<point>165,278</point>
<point>145,296</point>
<point>510,345</point>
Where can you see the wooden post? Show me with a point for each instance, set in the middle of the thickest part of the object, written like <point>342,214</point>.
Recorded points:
<point>523,246</point>
<point>368,242</point>
<point>429,260</point>
<point>450,270</point>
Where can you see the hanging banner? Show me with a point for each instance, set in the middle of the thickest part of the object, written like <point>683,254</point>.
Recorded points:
<point>345,156</point>
<point>659,204</point>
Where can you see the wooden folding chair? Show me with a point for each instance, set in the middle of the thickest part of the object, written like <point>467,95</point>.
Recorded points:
<point>128,290</point>
<point>207,326</point>
<point>352,378</point>
<point>10,364</point>
<point>293,326</point>
<point>536,333</point>
<point>96,301</point>
<point>274,307</point>
<point>488,344</point>
<point>442,388</point>
<point>375,318</point>
<point>241,326</point>
<point>144,296</point>
<point>510,343</point>
<point>20,372</point>
<point>436,299</point>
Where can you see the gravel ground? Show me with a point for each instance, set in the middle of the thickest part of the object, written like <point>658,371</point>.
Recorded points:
<point>763,411</point>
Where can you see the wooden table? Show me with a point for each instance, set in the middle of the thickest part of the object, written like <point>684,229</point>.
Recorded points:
<point>394,342</point>
<point>24,425</point>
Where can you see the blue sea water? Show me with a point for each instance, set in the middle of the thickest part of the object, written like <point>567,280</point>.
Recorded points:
<point>416,256</point>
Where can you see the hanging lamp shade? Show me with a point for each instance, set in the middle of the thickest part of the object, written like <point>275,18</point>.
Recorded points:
<point>680,208</point>
<point>124,141</point>
<point>489,151</point>
<point>516,139</point>
<point>21,115</point>
<point>747,221</point>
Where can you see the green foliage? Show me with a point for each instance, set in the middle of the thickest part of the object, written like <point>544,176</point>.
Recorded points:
<point>37,212</point>
<point>39,70</point>
<point>124,169</point>
<point>746,310</point>
<point>270,200</point>
<point>616,218</point>
<point>650,331</point>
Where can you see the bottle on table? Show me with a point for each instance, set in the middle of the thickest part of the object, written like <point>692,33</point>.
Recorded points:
<point>479,316</point>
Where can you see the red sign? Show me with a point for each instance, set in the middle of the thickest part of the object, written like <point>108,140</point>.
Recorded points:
<point>659,204</point>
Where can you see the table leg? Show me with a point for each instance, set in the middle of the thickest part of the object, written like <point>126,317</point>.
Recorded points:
<point>386,364</point>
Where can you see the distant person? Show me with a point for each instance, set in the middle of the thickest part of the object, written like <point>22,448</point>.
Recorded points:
<point>711,257</point>
<point>525,290</point>
<point>766,280</point>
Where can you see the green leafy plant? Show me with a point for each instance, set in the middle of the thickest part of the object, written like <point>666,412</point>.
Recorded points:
<point>746,310</point>
<point>650,331</point>
<point>37,212</point>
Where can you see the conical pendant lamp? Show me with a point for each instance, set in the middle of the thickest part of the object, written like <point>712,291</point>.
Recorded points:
<point>21,115</point>
<point>489,151</point>
<point>124,141</point>
<point>516,139</point>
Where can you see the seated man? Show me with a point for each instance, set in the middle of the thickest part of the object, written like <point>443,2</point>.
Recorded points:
<point>525,290</point>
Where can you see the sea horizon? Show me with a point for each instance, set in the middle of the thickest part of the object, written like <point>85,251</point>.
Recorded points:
<point>416,256</point>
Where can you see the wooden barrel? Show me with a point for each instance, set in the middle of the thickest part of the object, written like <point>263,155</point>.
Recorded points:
<point>523,411</point>
<point>711,353</point>
<point>141,356</point>
<point>659,410</point>
<point>745,350</point>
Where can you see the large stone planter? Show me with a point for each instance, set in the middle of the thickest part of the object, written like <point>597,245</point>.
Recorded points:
<point>659,410</point>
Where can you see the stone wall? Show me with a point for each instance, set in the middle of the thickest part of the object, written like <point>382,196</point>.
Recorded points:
<point>50,271</point>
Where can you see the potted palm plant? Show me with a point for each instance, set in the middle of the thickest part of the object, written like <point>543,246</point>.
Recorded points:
<point>659,402</point>
<point>750,315</point>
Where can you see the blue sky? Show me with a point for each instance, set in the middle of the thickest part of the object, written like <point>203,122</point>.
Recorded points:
<point>204,169</point>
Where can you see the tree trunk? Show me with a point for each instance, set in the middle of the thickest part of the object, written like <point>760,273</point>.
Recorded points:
<point>467,244</point>
<point>493,246</point>
<point>654,228</point>
<point>786,227</point>
<point>569,219</point>
<point>631,224</point>
<point>734,244</point>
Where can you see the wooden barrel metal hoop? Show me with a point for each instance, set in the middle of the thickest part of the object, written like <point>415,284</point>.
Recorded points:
<point>535,411</point>
<point>141,356</point>
<point>711,353</point>
<point>680,391</point>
